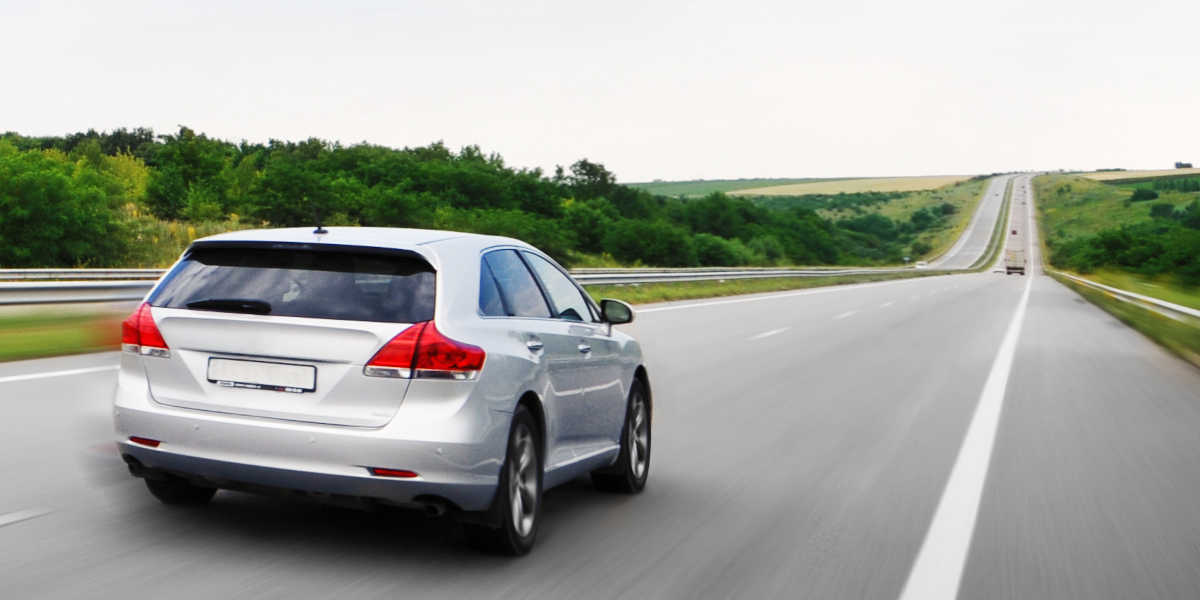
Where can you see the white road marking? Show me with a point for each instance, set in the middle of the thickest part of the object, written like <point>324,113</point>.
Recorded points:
<point>29,376</point>
<point>768,333</point>
<point>810,292</point>
<point>845,314</point>
<point>937,572</point>
<point>23,515</point>
<point>887,304</point>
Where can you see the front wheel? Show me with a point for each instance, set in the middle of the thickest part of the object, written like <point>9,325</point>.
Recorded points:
<point>632,469</point>
<point>518,495</point>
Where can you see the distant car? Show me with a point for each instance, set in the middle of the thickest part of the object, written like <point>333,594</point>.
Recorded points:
<point>922,264</point>
<point>445,371</point>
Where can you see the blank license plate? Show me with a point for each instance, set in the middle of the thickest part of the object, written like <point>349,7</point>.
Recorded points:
<point>255,375</point>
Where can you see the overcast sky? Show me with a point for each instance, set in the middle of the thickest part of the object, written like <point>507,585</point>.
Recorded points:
<point>670,90</point>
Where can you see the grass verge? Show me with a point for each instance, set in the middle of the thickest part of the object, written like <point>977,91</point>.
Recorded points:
<point>691,290</point>
<point>43,334</point>
<point>1181,338</point>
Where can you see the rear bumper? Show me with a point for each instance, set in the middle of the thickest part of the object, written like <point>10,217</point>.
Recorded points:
<point>250,477</point>
<point>455,448</point>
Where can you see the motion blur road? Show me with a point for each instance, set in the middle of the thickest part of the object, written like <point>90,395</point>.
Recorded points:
<point>807,444</point>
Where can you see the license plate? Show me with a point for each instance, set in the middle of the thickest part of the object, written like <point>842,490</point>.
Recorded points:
<point>256,375</point>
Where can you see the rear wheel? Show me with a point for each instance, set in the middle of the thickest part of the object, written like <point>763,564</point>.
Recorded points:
<point>178,491</point>
<point>632,469</point>
<point>517,506</point>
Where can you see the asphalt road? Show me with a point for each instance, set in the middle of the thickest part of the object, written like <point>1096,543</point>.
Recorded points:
<point>975,238</point>
<point>807,445</point>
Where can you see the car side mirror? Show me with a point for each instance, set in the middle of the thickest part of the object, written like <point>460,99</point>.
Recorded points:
<point>616,312</point>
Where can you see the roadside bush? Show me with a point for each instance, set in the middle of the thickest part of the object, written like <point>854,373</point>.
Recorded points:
<point>1142,195</point>
<point>713,251</point>
<point>1162,210</point>
<point>655,243</point>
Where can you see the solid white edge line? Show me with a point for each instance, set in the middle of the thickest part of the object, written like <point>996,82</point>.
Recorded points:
<point>937,572</point>
<point>23,515</point>
<point>29,376</point>
<point>808,292</point>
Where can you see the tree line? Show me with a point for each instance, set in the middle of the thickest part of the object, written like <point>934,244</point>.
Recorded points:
<point>131,197</point>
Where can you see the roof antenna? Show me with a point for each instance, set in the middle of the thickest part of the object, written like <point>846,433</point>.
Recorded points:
<point>320,228</point>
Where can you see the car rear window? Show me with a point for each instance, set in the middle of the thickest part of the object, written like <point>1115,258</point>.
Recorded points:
<point>320,284</point>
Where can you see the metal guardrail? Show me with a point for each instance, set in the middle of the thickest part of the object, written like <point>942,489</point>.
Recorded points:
<point>1168,309</point>
<point>78,274</point>
<point>49,286</point>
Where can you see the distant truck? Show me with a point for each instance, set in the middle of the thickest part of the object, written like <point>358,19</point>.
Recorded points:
<point>1014,262</point>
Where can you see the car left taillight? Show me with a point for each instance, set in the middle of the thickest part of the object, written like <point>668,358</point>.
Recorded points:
<point>140,335</point>
<point>421,351</point>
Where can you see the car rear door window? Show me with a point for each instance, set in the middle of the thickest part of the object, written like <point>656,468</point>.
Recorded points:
<point>297,282</point>
<point>490,302</point>
<point>568,301</point>
<point>519,291</point>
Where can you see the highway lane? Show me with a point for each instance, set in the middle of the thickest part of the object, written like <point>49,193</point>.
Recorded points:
<point>802,443</point>
<point>974,240</point>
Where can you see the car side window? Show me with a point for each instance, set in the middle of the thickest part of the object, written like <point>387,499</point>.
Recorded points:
<point>568,301</point>
<point>490,302</point>
<point>518,290</point>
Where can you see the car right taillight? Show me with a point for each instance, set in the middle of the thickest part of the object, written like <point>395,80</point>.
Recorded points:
<point>140,335</point>
<point>421,351</point>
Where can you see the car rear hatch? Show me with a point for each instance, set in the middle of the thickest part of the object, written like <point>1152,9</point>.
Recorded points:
<point>284,330</point>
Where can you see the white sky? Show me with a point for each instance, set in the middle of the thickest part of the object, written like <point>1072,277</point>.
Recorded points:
<point>675,90</point>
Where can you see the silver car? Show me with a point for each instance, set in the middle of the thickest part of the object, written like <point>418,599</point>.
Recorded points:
<point>453,372</point>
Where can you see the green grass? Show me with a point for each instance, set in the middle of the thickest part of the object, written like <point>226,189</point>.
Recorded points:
<point>690,290</point>
<point>1182,338</point>
<point>701,187</point>
<point>1071,207</point>
<point>45,334</point>
<point>1163,288</point>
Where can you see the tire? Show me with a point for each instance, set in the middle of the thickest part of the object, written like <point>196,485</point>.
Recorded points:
<point>178,492</point>
<point>517,507</point>
<point>629,474</point>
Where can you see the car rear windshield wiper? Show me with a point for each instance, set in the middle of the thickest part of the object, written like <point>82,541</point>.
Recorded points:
<point>254,307</point>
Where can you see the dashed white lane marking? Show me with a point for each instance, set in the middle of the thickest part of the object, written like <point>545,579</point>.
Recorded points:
<point>937,572</point>
<point>812,292</point>
<point>29,376</point>
<point>886,304</point>
<point>845,314</point>
<point>768,333</point>
<point>23,515</point>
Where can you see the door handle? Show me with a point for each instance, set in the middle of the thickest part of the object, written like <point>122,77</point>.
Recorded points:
<point>584,348</point>
<point>534,345</point>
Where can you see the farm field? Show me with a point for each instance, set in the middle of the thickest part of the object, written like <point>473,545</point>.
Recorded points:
<point>703,187</point>
<point>1123,175</point>
<point>849,186</point>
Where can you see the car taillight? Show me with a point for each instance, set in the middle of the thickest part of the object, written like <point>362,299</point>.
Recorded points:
<point>139,334</point>
<point>421,351</point>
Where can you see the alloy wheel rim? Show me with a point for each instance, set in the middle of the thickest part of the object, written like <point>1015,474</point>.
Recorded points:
<point>522,482</point>
<point>639,438</point>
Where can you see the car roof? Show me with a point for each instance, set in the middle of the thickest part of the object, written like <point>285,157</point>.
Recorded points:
<point>378,237</point>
